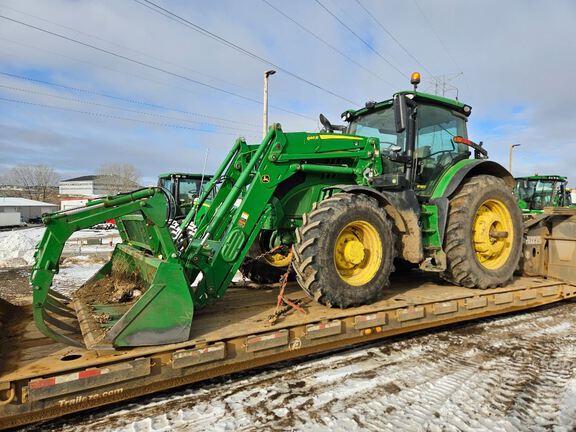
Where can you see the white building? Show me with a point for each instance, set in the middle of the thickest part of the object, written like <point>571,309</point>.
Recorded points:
<point>70,203</point>
<point>22,209</point>
<point>93,186</point>
<point>89,186</point>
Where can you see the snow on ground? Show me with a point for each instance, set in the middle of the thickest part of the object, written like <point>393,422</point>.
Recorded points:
<point>70,278</point>
<point>512,373</point>
<point>17,247</point>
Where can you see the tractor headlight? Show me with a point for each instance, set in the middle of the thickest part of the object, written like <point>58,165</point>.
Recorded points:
<point>346,116</point>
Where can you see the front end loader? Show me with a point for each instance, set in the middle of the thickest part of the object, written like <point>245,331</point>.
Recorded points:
<point>401,181</point>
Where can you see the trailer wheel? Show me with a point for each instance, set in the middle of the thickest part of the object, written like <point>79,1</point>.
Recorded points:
<point>344,251</point>
<point>264,268</point>
<point>483,241</point>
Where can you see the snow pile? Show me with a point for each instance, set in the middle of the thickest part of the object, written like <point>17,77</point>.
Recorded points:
<point>568,407</point>
<point>17,247</point>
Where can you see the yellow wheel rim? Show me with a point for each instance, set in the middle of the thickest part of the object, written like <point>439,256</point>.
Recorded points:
<point>278,259</point>
<point>493,234</point>
<point>358,253</point>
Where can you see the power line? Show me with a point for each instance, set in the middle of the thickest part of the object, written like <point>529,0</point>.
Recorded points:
<point>81,101</point>
<point>115,117</point>
<point>123,46</point>
<point>392,37</point>
<point>167,13</point>
<point>327,43</point>
<point>180,89</point>
<point>438,37</point>
<point>99,66</point>
<point>132,101</point>
<point>138,62</point>
<point>359,38</point>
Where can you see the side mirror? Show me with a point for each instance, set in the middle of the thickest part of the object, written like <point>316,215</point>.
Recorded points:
<point>326,123</point>
<point>400,112</point>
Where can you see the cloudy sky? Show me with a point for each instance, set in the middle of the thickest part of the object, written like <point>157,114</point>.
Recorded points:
<point>85,83</point>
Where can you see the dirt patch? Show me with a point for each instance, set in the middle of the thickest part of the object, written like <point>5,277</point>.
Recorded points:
<point>15,287</point>
<point>391,388</point>
<point>122,285</point>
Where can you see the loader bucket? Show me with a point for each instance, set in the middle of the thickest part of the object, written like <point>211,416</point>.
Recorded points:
<point>134,300</point>
<point>140,297</point>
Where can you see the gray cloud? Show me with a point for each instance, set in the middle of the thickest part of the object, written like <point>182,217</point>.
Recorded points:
<point>516,58</point>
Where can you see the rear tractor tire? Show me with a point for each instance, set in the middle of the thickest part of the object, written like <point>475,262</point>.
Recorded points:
<point>344,251</point>
<point>483,241</point>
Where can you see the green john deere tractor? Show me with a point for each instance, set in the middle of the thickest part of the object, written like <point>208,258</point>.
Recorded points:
<point>539,191</point>
<point>400,180</point>
<point>184,188</point>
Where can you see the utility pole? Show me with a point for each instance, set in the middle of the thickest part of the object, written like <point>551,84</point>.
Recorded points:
<point>510,156</point>
<point>265,114</point>
<point>442,84</point>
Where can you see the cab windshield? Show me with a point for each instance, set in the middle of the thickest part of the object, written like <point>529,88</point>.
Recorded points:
<point>379,124</point>
<point>189,189</point>
<point>537,194</point>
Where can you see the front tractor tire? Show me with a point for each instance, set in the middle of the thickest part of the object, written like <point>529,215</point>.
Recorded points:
<point>265,266</point>
<point>344,251</point>
<point>483,241</point>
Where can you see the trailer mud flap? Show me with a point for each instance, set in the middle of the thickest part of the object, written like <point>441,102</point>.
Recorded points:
<point>45,388</point>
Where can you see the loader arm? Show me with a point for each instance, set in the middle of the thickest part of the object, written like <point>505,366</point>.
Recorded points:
<point>177,275</point>
<point>252,174</point>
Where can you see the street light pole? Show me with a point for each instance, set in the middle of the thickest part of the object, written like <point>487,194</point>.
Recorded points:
<point>265,113</point>
<point>510,156</point>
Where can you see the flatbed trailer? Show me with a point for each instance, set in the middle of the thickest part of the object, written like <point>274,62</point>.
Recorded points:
<point>40,379</point>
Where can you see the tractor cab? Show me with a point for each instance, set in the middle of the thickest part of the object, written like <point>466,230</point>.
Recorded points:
<point>184,188</point>
<point>421,135</point>
<point>539,191</point>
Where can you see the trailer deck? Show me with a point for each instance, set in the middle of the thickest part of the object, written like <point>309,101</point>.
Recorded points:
<point>40,379</point>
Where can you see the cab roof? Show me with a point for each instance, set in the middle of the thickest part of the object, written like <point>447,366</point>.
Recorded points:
<point>420,97</point>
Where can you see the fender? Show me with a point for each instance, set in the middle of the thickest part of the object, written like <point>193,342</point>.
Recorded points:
<point>452,179</point>
<point>404,210</point>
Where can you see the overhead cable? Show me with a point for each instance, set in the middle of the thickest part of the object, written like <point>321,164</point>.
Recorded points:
<point>314,35</point>
<point>138,62</point>
<point>119,98</point>
<point>82,101</point>
<point>370,47</point>
<point>393,38</point>
<point>169,14</point>
<point>111,116</point>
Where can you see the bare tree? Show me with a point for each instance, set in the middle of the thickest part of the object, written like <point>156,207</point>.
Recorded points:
<point>35,180</point>
<point>119,177</point>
